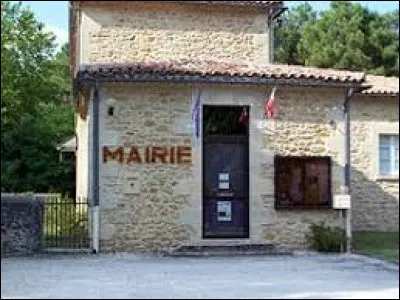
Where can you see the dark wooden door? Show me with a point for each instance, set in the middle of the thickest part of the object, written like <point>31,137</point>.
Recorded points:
<point>226,187</point>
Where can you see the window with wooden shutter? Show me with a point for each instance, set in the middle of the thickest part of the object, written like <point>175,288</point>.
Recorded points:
<point>302,182</point>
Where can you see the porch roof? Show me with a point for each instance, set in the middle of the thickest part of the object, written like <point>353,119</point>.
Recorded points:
<point>261,4</point>
<point>381,85</point>
<point>68,146</point>
<point>209,71</point>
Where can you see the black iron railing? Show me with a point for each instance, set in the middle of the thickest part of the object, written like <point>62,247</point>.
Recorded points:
<point>65,223</point>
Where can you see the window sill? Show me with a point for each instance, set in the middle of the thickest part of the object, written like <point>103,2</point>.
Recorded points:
<point>392,177</point>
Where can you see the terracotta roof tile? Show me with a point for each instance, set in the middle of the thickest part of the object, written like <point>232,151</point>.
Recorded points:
<point>381,85</point>
<point>239,3</point>
<point>264,4</point>
<point>209,68</point>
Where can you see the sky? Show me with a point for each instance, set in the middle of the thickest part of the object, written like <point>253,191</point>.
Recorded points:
<point>54,14</point>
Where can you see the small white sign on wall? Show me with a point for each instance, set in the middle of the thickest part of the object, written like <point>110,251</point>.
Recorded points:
<point>341,202</point>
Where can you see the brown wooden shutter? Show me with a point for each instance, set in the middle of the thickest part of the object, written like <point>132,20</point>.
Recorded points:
<point>302,182</point>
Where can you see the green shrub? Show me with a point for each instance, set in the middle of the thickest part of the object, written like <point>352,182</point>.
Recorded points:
<point>64,218</point>
<point>324,238</point>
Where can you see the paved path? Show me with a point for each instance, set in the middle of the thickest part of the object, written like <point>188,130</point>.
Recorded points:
<point>134,276</point>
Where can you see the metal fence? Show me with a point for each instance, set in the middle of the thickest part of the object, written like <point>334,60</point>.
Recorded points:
<point>65,223</point>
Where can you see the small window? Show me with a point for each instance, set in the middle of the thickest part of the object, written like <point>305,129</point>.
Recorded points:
<point>302,182</point>
<point>388,154</point>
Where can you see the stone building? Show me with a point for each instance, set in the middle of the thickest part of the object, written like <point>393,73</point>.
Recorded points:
<point>156,85</point>
<point>375,155</point>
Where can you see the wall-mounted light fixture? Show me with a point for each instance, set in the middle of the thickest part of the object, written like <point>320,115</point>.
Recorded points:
<point>333,124</point>
<point>110,104</point>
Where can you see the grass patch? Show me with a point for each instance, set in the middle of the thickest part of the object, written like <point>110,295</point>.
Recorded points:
<point>379,244</point>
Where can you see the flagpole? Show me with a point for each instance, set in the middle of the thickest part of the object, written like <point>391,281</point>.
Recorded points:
<point>196,109</point>
<point>347,179</point>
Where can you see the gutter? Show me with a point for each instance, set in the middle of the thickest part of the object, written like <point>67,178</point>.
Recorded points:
<point>347,167</point>
<point>347,213</point>
<point>89,80</point>
<point>279,13</point>
<point>95,171</point>
<point>349,95</point>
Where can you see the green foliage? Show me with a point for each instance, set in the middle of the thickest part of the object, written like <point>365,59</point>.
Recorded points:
<point>347,36</point>
<point>383,44</point>
<point>36,113</point>
<point>337,39</point>
<point>324,239</point>
<point>288,36</point>
<point>222,120</point>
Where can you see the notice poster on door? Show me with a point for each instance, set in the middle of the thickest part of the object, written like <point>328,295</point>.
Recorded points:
<point>223,185</point>
<point>224,211</point>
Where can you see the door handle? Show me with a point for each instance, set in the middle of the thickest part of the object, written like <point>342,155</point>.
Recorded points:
<point>225,194</point>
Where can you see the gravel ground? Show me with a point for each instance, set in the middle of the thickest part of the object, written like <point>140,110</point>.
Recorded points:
<point>137,276</point>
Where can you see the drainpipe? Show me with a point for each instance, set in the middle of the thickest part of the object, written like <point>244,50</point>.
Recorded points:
<point>95,183</point>
<point>347,213</point>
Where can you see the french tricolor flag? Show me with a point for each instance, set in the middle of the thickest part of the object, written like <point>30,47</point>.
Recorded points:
<point>270,108</point>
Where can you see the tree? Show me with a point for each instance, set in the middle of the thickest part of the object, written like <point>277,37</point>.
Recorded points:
<point>383,44</point>
<point>288,35</point>
<point>347,36</point>
<point>26,53</point>
<point>337,39</point>
<point>61,75</point>
<point>35,113</point>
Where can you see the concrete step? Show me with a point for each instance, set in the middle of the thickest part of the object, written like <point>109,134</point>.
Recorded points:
<point>237,250</point>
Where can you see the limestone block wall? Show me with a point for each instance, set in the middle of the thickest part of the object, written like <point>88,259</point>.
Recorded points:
<point>375,199</point>
<point>139,206</point>
<point>21,224</point>
<point>126,31</point>
<point>302,129</point>
<point>158,206</point>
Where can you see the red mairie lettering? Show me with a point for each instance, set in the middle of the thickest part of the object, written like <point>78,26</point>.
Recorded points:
<point>148,155</point>
<point>117,154</point>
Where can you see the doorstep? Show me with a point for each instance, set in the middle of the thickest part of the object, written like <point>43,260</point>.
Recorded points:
<point>235,250</point>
